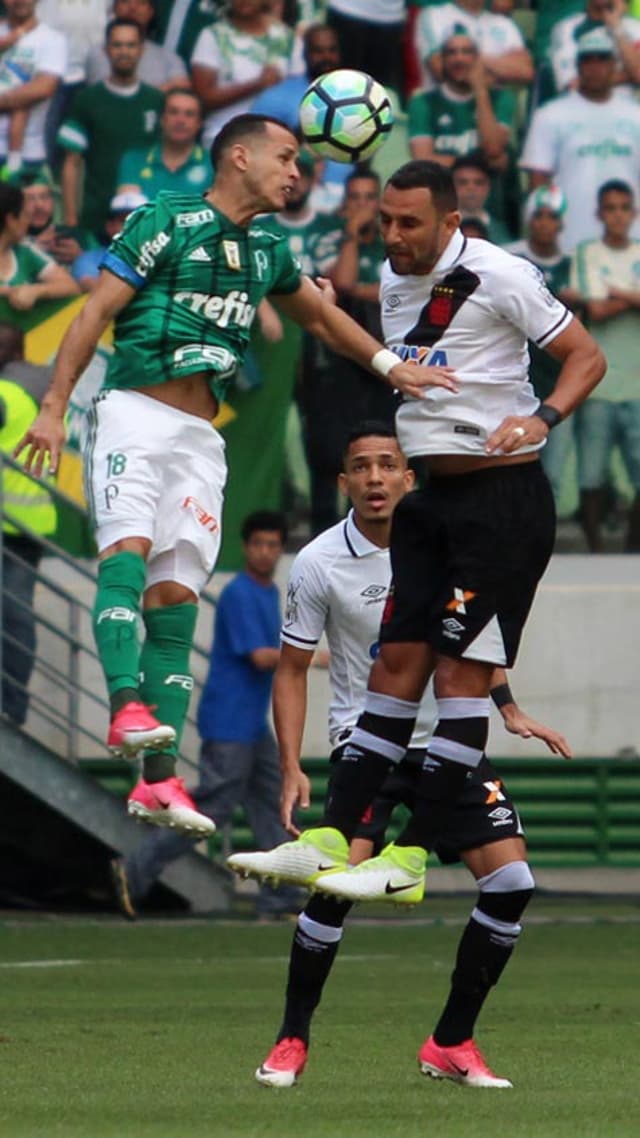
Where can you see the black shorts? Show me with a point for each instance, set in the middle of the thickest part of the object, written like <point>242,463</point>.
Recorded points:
<point>467,553</point>
<point>483,813</point>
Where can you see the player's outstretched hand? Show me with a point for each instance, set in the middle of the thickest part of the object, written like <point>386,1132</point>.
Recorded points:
<point>45,436</point>
<point>411,379</point>
<point>516,431</point>
<point>518,723</point>
<point>329,294</point>
<point>296,791</point>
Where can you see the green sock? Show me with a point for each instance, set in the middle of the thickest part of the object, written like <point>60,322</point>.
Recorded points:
<point>116,610</point>
<point>166,682</point>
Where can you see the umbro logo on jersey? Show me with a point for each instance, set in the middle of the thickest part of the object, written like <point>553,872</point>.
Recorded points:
<point>392,302</point>
<point>452,628</point>
<point>501,815</point>
<point>199,254</point>
<point>373,593</point>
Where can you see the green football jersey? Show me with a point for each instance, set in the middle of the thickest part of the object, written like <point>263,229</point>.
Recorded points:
<point>451,122</point>
<point>314,242</point>
<point>199,279</point>
<point>28,263</point>
<point>102,125</point>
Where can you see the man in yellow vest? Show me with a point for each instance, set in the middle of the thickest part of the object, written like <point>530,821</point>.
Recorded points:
<point>25,503</point>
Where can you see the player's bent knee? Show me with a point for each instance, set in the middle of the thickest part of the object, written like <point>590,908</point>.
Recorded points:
<point>177,569</point>
<point>456,677</point>
<point>166,594</point>
<point>505,893</point>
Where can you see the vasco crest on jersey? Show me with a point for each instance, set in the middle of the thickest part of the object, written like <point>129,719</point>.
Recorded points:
<point>446,299</point>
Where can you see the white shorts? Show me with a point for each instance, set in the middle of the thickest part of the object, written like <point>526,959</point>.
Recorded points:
<point>155,472</point>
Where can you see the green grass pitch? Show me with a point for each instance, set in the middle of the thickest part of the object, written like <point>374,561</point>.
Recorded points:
<point>154,1030</point>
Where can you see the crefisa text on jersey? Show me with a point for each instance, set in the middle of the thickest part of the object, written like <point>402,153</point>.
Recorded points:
<point>234,308</point>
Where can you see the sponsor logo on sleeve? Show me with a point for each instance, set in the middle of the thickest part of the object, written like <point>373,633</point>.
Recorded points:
<point>149,251</point>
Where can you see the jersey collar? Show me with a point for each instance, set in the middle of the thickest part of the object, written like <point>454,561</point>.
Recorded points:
<point>453,251</point>
<point>357,544</point>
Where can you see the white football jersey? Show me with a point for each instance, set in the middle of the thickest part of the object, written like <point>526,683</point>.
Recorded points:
<point>474,312</point>
<point>338,585</point>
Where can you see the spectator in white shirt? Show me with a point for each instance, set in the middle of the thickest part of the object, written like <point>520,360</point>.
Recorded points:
<point>39,60</point>
<point>606,274</point>
<point>237,58</point>
<point>623,30</point>
<point>585,138</point>
<point>159,67</point>
<point>500,43</point>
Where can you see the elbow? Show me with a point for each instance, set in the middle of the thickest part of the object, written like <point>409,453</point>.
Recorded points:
<point>599,365</point>
<point>495,155</point>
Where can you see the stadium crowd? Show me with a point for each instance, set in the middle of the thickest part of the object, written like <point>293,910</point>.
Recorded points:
<point>103,104</point>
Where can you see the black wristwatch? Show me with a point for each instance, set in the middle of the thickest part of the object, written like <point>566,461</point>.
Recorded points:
<point>549,415</point>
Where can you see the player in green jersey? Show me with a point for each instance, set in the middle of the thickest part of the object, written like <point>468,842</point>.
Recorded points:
<point>182,283</point>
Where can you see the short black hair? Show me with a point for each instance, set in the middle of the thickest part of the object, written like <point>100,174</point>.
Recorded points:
<point>423,174</point>
<point>472,161</point>
<point>362,170</point>
<point>366,429</point>
<point>189,92</point>
<point>614,186</point>
<point>11,202</point>
<point>239,128</point>
<point>121,22</point>
<point>271,520</point>
<point>312,31</point>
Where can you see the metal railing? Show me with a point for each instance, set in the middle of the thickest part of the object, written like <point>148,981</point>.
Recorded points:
<point>66,692</point>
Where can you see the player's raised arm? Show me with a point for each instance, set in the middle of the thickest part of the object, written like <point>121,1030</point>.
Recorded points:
<point>46,434</point>
<point>289,714</point>
<point>307,307</point>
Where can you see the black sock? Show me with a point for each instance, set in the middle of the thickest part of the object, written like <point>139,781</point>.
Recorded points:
<point>158,765</point>
<point>122,696</point>
<point>480,961</point>
<point>310,963</point>
<point>355,780</point>
<point>437,790</point>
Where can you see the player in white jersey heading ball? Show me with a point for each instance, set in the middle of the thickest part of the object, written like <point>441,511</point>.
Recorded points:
<point>338,584</point>
<point>468,551</point>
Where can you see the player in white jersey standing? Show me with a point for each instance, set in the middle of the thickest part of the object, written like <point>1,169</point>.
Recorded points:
<point>338,585</point>
<point>467,553</point>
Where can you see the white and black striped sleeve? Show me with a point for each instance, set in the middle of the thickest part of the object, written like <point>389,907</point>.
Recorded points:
<point>524,299</point>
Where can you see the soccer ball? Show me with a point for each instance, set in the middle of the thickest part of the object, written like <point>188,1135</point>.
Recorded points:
<point>345,115</point>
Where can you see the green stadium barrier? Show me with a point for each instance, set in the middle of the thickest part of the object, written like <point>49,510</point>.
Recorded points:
<point>578,814</point>
<point>583,813</point>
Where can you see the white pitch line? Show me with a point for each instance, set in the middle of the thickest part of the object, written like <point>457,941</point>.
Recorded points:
<point>40,963</point>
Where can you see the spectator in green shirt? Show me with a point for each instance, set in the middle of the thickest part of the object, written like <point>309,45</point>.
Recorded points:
<point>472,181</point>
<point>106,119</point>
<point>463,113</point>
<point>27,275</point>
<point>177,161</point>
<point>62,242</point>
